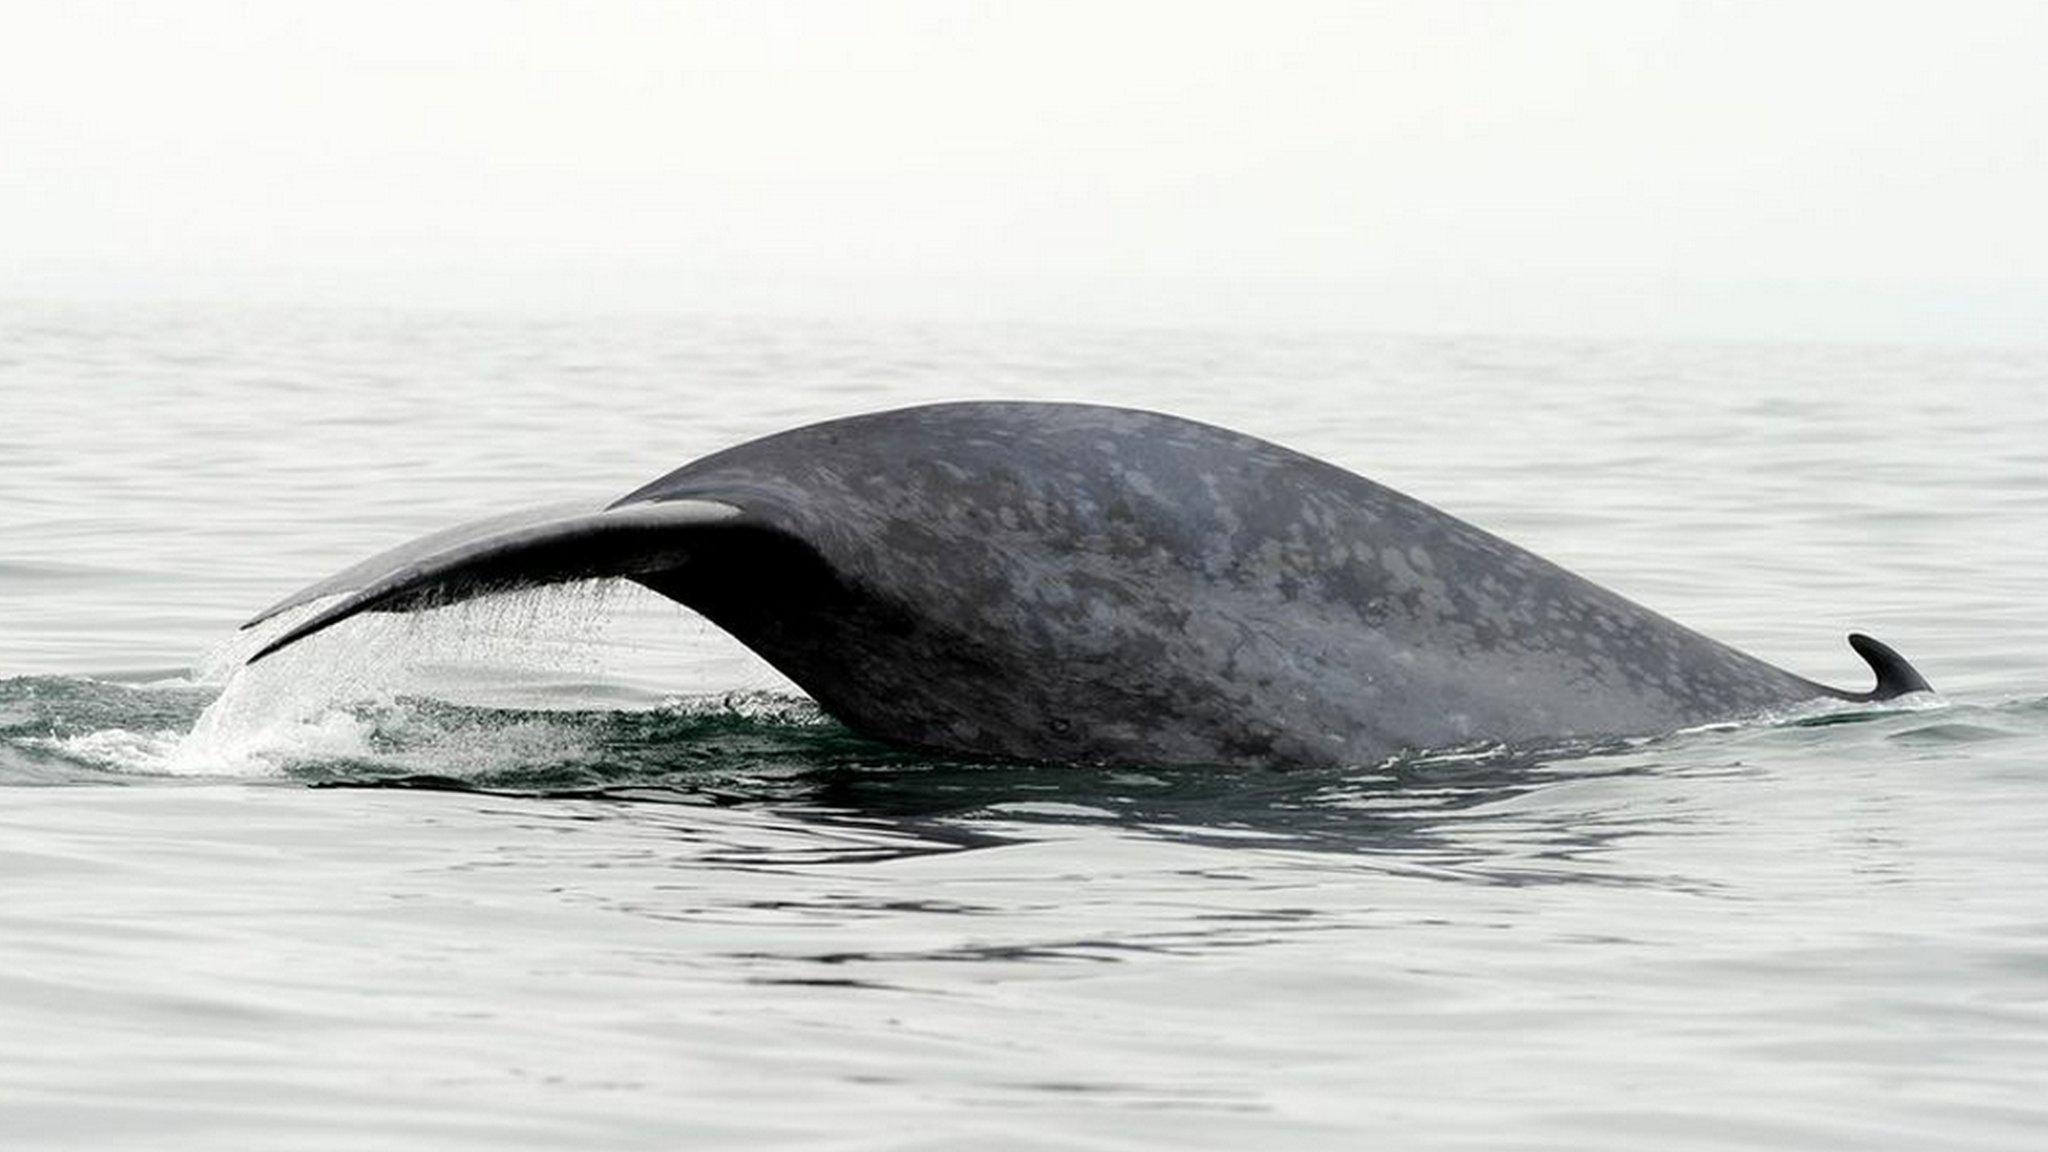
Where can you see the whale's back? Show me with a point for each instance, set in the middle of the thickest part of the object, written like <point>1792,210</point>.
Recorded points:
<point>1080,582</point>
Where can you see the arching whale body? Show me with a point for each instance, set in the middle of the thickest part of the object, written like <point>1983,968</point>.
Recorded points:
<point>1078,583</point>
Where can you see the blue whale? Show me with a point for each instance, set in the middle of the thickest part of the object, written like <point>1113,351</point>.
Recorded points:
<point>1086,584</point>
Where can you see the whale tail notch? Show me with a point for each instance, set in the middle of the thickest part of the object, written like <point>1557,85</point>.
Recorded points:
<point>520,550</point>
<point>1895,677</point>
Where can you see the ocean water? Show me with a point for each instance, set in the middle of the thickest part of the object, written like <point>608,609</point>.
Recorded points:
<point>573,870</point>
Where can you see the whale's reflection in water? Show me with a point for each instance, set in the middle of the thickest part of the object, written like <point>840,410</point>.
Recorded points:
<point>1484,815</point>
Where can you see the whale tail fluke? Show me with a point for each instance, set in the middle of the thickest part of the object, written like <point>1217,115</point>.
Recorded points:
<point>1895,677</point>
<point>520,550</point>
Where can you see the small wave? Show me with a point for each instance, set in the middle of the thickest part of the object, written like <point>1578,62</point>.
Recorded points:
<point>61,728</point>
<point>65,730</point>
<point>414,693</point>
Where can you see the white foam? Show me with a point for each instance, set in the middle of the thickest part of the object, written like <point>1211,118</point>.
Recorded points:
<point>261,751</point>
<point>329,700</point>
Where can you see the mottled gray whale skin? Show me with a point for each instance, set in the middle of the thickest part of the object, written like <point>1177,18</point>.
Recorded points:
<point>1077,583</point>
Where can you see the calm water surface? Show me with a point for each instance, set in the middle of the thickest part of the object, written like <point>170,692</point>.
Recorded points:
<point>572,870</point>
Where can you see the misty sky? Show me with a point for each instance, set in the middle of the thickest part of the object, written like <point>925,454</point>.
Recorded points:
<point>1853,171</point>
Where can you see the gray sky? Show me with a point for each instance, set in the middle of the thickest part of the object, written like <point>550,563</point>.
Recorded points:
<point>1852,171</point>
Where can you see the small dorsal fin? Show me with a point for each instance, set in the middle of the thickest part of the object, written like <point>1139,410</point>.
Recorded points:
<point>1895,677</point>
